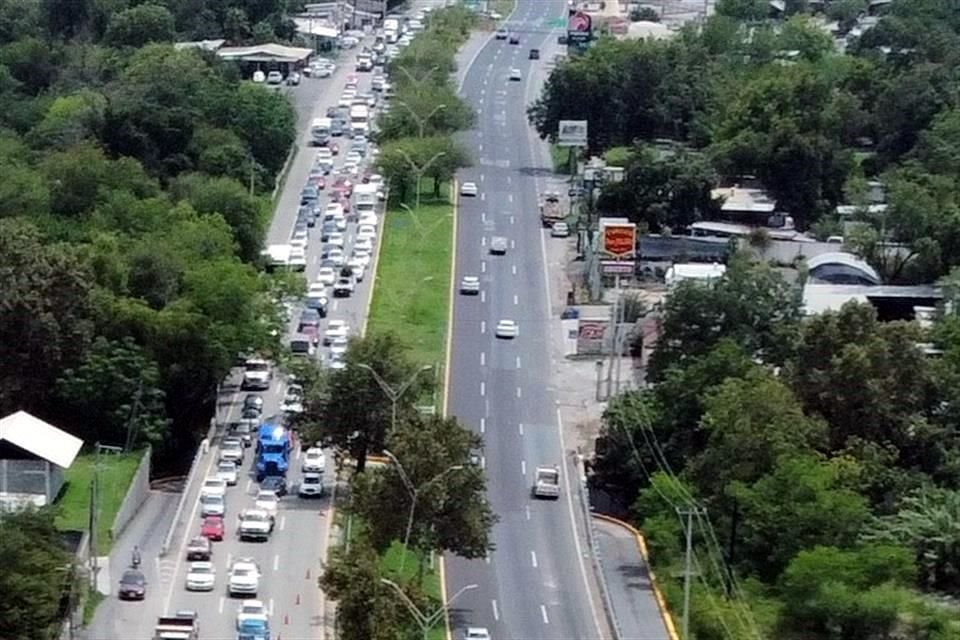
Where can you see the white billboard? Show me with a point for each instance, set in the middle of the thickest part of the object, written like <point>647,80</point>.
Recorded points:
<point>572,133</point>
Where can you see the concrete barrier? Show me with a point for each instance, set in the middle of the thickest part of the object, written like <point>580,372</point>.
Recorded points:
<point>642,546</point>
<point>202,452</point>
<point>136,496</point>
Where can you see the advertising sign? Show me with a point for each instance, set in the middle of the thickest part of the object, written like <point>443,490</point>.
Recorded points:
<point>590,336</point>
<point>579,28</point>
<point>572,133</point>
<point>618,247</point>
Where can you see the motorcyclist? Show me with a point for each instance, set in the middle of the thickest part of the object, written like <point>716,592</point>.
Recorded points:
<point>135,557</point>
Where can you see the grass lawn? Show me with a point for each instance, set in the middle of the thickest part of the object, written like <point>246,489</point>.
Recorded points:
<point>560,156</point>
<point>504,7</point>
<point>390,564</point>
<point>412,293</point>
<point>116,471</point>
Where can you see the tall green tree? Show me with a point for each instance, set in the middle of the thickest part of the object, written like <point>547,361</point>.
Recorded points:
<point>140,25</point>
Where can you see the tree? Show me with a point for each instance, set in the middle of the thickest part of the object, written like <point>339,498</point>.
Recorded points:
<point>928,523</point>
<point>266,120</point>
<point>23,191</point>
<point>72,119</point>
<point>799,33</point>
<point>745,10</point>
<point>751,305</point>
<point>231,200</point>
<point>353,412</point>
<point>140,25</point>
<point>36,574</point>
<point>113,396</point>
<point>364,609</point>
<point>852,594</point>
<point>803,502</point>
<point>46,317</point>
<point>451,511</point>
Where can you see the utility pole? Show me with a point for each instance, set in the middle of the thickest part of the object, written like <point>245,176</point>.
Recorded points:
<point>689,513</point>
<point>615,338</point>
<point>392,394</point>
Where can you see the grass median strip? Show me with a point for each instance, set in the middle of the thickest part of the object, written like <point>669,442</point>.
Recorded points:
<point>116,472</point>
<point>412,291</point>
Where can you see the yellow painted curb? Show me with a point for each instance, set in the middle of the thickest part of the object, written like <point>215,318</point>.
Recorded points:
<point>373,273</point>
<point>642,545</point>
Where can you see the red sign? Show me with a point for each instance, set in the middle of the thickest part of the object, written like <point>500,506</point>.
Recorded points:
<point>619,241</point>
<point>579,22</point>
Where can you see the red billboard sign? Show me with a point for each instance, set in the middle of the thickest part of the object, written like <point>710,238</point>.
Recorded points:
<point>620,240</point>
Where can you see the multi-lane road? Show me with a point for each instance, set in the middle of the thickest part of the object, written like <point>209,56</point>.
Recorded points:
<point>291,560</point>
<point>536,584</point>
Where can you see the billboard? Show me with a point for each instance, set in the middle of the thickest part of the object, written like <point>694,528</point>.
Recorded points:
<point>572,133</point>
<point>591,336</point>
<point>579,28</point>
<point>618,245</point>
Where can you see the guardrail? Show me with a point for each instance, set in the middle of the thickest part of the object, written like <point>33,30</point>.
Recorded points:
<point>595,555</point>
<point>205,447</point>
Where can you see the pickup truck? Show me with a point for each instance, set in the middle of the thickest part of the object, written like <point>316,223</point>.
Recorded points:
<point>547,484</point>
<point>498,245</point>
<point>550,210</point>
<point>183,625</point>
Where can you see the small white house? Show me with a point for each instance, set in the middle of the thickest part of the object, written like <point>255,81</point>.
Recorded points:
<point>704,273</point>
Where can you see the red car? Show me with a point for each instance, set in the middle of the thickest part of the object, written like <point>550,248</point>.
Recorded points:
<point>343,187</point>
<point>320,183</point>
<point>212,528</point>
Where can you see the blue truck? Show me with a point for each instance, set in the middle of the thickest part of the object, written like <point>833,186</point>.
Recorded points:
<point>273,451</point>
<point>253,629</point>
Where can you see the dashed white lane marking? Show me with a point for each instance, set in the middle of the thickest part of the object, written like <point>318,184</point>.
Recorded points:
<point>520,428</point>
<point>516,299</point>
<point>483,425</point>
<point>483,196</point>
<point>518,362</point>
<point>220,606</point>
<point>496,613</point>
<point>483,358</point>
<point>483,241</point>
<point>283,522</point>
<point>533,558</point>
<point>513,220</point>
<point>276,562</point>
<point>523,467</point>
<point>514,269</point>
<point>527,509</point>
<point>483,388</point>
<point>509,179</point>
<point>509,197</point>
<point>249,484</point>
<point>483,296</point>
<point>483,326</point>
<point>543,612</point>
<point>270,608</point>
<point>482,177</point>
<point>519,392</point>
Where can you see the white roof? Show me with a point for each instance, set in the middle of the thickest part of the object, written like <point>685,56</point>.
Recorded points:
<point>845,259</point>
<point>694,271</point>
<point>643,29</point>
<point>206,45</point>
<point>316,27</point>
<point>269,50</point>
<point>744,199</point>
<point>39,438</point>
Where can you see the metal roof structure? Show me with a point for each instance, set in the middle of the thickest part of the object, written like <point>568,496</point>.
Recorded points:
<point>40,438</point>
<point>269,52</point>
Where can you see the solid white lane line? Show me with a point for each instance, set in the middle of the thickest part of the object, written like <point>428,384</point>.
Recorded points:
<point>483,388</point>
<point>519,392</point>
<point>483,425</point>
<point>496,614</point>
<point>483,358</point>
<point>533,558</point>
<point>523,467</point>
<point>543,612</point>
<point>483,326</point>
<point>283,522</point>
<point>276,562</point>
<point>518,362</point>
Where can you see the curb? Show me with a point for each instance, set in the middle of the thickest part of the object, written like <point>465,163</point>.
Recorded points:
<point>642,545</point>
<point>373,271</point>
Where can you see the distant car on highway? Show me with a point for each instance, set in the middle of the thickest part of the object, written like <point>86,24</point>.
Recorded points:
<point>476,633</point>
<point>277,484</point>
<point>267,501</point>
<point>314,460</point>
<point>214,485</point>
<point>251,610</point>
<point>244,578</point>
<point>515,75</point>
<point>227,471</point>
<point>514,38</point>
<point>231,450</point>
<point>212,528</point>
<point>212,504</point>
<point>199,548</point>
<point>201,576</point>
<point>469,189</point>
<point>507,329</point>
<point>311,485</point>
<point>501,34</point>
<point>534,54</point>
<point>335,329</point>
<point>470,285</point>
<point>133,585</point>
<point>498,245</point>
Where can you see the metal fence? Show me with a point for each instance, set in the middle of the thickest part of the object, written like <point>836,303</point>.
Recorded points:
<point>27,480</point>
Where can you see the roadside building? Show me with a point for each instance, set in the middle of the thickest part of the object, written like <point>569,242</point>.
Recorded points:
<point>839,267</point>
<point>693,272</point>
<point>266,58</point>
<point>33,457</point>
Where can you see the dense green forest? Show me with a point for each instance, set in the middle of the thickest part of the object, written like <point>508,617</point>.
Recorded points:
<point>777,100</point>
<point>134,198</point>
<point>819,456</point>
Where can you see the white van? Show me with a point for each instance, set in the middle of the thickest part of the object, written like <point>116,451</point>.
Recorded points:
<point>359,120</point>
<point>320,130</point>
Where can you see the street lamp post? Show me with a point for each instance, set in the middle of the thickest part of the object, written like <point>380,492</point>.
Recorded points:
<point>426,621</point>
<point>419,81</point>
<point>421,122</point>
<point>414,494</point>
<point>420,170</point>
<point>394,394</point>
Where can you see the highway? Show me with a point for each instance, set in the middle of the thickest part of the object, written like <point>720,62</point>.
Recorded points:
<point>536,584</point>
<point>291,560</point>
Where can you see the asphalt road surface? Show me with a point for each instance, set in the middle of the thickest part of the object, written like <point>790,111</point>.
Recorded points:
<point>291,560</point>
<point>535,585</point>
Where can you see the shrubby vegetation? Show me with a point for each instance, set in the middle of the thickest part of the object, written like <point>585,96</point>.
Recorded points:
<point>129,232</point>
<point>749,96</point>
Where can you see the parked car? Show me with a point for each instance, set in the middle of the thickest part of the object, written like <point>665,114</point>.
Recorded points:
<point>274,77</point>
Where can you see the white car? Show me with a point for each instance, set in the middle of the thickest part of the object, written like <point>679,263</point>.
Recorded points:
<point>318,293</point>
<point>354,157</point>
<point>336,240</point>
<point>366,231</point>
<point>560,230</point>
<point>335,329</point>
<point>274,77</point>
<point>358,267</point>
<point>314,461</point>
<point>368,218</point>
<point>362,256</point>
<point>244,578</point>
<point>363,245</point>
<point>227,471</point>
<point>338,347</point>
<point>293,399</point>
<point>298,259</point>
<point>470,285</point>
<point>333,211</point>
<point>214,485</point>
<point>326,276</point>
<point>476,633</point>
<point>251,610</point>
<point>469,189</point>
<point>507,329</point>
<point>255,524</point>
<point>311,485</point>
<point>201,576</point>
<point>515,75</point>
<point>231,451</point>
<point>351,167</point>
<point>212,504</point>
<point>335,256</point>
<point>267,501</point>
